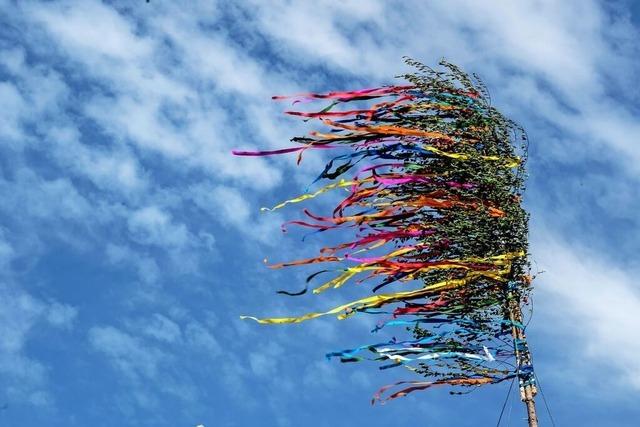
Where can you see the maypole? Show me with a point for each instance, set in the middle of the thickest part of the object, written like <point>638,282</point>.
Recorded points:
<point>434,208</point>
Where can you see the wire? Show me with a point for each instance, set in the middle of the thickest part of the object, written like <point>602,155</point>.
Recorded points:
<point>544,399</point>
<point>504,405</point>
<point>510,409</point>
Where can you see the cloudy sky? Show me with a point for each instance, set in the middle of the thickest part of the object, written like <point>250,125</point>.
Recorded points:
<point>131,240</point>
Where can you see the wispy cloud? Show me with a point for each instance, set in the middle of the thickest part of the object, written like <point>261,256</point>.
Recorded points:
<point>117,126</point>
<point>26,379</point>
<point>589,304</point>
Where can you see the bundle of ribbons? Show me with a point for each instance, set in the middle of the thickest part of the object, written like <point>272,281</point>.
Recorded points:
<point>433,177</point>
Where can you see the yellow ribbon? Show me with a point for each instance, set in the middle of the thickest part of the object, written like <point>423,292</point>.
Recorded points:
<point>352,271</point>
<point>342,183</point>
<point>498,260</point>
<point>508,162</point>
<point>379,300</point>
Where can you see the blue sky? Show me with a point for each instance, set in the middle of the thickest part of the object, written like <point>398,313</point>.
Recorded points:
<point>131,240</point>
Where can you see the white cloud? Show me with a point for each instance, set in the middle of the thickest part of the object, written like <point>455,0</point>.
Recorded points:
<point>321,374</point>
<point>31,97</point>
<point>324,33</point>
<point>34,197</point>
<point>12,107</point>
<point>110,170</point>
<point>149,354</point>
<point>61,315</point>
<point>7,252</point>
<point>228,70</point>
<point>102,31</point>
<point>201,340</point>
<point>262,365</point>
<point>231,206</point>
<point>162,328</point>
<point>229,202</point>
<point>25,378</point>
<point>138,119</point>
<point>147,269</point>
<point>593,305</point>
<point>265,363</point>
<point>127,353</point>
<point>151,225</point>
<point>145,95</point>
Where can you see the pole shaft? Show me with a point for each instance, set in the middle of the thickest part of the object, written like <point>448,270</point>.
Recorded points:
<point>528,390</point>
<point>532,416</point>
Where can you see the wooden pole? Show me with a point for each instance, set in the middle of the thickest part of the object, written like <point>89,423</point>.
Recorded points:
<point>528,388</point>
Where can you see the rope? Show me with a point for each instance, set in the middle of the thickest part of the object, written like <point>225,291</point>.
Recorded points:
<point>504,405</point>
<point>510,410</point>
<point>544,399</point>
